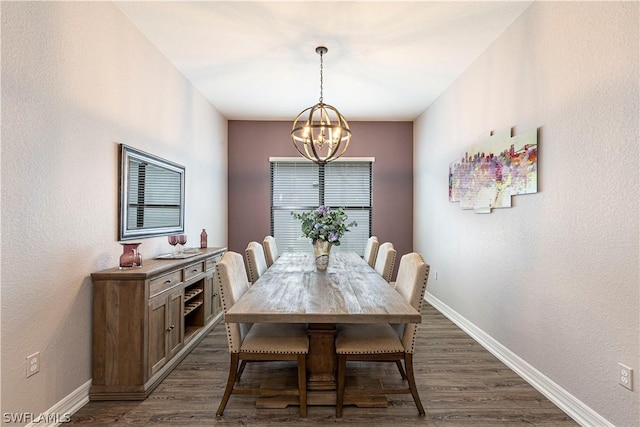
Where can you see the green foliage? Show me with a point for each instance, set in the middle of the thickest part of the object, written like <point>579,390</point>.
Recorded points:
<point>324,223</point>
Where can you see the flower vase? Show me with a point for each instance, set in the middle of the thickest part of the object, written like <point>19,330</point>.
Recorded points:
<point>321,249</point>
<point>130,257</point>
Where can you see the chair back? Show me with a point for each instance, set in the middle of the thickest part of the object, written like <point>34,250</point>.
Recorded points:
<point>256,262</point>
<point>385,260</point>
<point>411,283</point>
<point>371,250</point>
<point>270,250</point>
<point>232,284</point>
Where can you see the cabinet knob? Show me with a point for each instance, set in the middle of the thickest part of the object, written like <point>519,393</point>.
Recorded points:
<point>170,328</point>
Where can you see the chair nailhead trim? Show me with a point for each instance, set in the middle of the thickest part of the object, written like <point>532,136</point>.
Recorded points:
<point>391,264</point>
<point>422,292</point>
<point>250,261</point>
<point>223,301</point>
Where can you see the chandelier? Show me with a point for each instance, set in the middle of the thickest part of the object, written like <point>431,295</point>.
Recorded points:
<point>320,133</point>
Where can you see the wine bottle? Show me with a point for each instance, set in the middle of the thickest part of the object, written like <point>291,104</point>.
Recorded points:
<point>203,239</point>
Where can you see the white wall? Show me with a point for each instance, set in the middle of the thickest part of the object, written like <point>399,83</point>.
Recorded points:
<point>555,278</point>
<point>78,78</point>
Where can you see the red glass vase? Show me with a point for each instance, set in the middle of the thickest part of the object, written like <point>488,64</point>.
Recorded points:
<point>130,257</point>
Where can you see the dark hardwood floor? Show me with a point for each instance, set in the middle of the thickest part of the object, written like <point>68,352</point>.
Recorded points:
<point>460,384</point>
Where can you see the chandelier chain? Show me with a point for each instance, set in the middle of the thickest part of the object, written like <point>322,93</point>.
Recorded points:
<point>321,82</point>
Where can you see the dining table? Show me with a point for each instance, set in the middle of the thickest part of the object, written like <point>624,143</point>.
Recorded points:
<point>293,290</point>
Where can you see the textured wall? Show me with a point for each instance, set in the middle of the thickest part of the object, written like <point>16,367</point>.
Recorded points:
<point>555,278</point>
<point>77,78</point>
<point>251,143</point>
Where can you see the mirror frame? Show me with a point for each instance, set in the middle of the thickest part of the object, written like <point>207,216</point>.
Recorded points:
<point>127,154</point>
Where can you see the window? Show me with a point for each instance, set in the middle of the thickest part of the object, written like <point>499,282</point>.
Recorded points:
<point>299,185</point>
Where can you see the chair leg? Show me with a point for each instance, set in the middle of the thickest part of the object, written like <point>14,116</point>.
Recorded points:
<point>401,369</point>
<point>408,363</point>
<point>342,367</point>
<point>241,370</point>
<point>302,384</point>
<point>233,369</point>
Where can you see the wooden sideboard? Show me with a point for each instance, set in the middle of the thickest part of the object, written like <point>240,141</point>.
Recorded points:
<point>146,320</point>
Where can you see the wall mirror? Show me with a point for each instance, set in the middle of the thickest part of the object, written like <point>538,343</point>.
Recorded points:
<point>151,195</point>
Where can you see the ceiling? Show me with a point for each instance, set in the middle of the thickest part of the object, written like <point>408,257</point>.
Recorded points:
<point>256,60</point>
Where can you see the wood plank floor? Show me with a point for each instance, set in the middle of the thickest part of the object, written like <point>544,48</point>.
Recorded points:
<point>460,384</point>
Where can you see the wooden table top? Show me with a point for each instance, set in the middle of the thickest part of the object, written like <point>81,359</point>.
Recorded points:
<point>349,291</point>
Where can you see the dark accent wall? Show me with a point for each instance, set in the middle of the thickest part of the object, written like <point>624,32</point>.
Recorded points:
<point>251,143</point>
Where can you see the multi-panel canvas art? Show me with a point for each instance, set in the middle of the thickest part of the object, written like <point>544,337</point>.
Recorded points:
<point>496,168</point>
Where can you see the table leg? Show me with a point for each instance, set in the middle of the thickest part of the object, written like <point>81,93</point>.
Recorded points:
<point>322,359</point>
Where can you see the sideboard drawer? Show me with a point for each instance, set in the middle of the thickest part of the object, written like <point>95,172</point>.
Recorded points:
<point>211,262</point>
<point>163,283</point>
<point>193,270</point>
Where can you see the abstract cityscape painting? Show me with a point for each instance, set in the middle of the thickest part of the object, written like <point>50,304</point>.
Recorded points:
<point>497,167</point>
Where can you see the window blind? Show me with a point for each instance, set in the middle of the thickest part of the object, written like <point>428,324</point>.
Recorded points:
<point>298,186</point>
<point>153,196</point>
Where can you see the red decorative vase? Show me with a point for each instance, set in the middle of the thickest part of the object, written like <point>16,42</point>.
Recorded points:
<point>130,257</point>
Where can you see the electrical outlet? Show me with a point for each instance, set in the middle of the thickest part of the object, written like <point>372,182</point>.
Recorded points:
<point>33,364</point>
<point>625,376</point>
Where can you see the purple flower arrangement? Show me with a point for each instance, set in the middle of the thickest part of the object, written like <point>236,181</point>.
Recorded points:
<point>324,223</point>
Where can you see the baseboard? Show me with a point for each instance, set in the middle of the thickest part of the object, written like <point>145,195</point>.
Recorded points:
<point>568,403</point>
<point>61,411</point>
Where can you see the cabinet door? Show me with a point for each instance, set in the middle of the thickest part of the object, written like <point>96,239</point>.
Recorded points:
<point>212,298</point>
<point>215,301</point>
<point>208,291</point>
<point>158,320</point>
<point>175,330</point>
<point>166,328</point>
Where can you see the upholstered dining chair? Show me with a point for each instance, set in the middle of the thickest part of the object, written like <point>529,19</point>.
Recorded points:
<point>256,262</point>
<point>259,341</point>
<point>384,342</point>
<point>371,251</point>
<point>270,250</point>
<point>385,260</point>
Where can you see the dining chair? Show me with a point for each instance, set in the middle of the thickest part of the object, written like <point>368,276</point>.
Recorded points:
<point>385,260</point>
<point>259,342</point>
<point>256,262</point>
<point>371,251</point>
<point>270,250</point>
<point>383,342</point>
